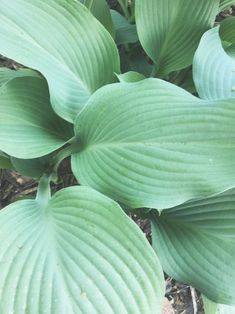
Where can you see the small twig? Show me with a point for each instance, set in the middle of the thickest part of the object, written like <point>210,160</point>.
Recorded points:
<point>194,296</point>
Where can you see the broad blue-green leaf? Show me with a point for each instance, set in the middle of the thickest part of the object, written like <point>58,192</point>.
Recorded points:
<point>7,75</point>
<point>33,168</point>
<point>126,33</point>
<point>29,128</point>
<point>100,9</point>
<point>63,41</point>
<point>231,51</point>
<point>78,254</point>
<point>5,162</point>
<point>170,30</point>
<point>130,77</point>
<point>225,4</point>
<point>227,30</point>
<point>196,245</point>
<point>152,144</point>
<point>213,68</point>
<point>214,308</point>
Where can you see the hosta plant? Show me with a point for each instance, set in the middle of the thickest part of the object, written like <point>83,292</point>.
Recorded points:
<point>142,99</point>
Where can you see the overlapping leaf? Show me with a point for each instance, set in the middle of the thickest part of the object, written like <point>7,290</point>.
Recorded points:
<point>170,30</point>
<point>100,9</point>
<point>5,162</point>
<point>7,75</point>
<point>79,254</point>
<point>29,128</point>
<point>196,245</point>
<point>225,4</point>
<point>125,32</point>
<point>130,77</point>
<point>213,68</point>
<point>63,41</point>
<point>152,144</point>
<point>227,30</point>
<point>33,168</point>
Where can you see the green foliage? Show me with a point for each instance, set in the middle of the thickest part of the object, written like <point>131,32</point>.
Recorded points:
<point>213,68</point>
<point>76,253</point>
<point>196,244</point>
<point>72,56</point>
<point>161,148</point>
<point>125,33</point>
<point>139,140</point>
<point>5,161</point>
<point>100,9</point>
<point>170,30</point>
<point>225,4</point>
<point>214,308</point>
<point>29,127</point>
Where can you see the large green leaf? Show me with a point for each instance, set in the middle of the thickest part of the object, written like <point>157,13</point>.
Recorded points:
<point>7,74</point>
<point>63,41</point>
<point>213,68</point>
<point>78,254</point>
<point>100,9</point>
<point>33,168</point>
<point>152,144</point>
<point>5,161</point>
<point>125,32</point>
<point>227,30</point>
<point>29,127</point>
<point>170,30</point>
<point>231,51</point>
<point>225,4</point>
<point>196,244</point>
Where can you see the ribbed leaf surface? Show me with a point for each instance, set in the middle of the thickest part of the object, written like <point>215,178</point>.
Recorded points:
<point>213,68</point>
<point>63,41</point>
<point>29,127</point>
<point>170,30</point>
<point>100,9</point>
<point>196,245</point>
<point>152,144</point>
<point>7,75</point>
<point>125,32</point>
<point>225,4</point>
<point>79,254</point>
<point>227,30</point>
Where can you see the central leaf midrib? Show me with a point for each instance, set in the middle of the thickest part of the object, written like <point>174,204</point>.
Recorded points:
<point>53,254</point>
<point>92,146</point>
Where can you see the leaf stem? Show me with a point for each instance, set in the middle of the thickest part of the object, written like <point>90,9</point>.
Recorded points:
<point>73,148</point>
<point>124,9</point>
<point>44,190</point>
<point>154,71</point>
